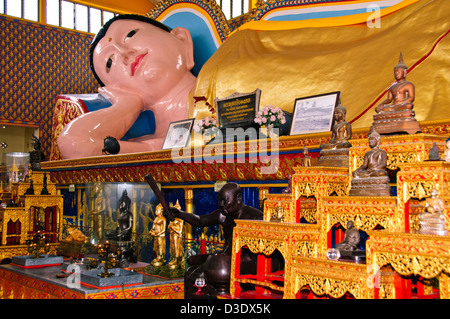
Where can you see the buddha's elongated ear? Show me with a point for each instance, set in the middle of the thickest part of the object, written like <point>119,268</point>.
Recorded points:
<point>239,198</point>
<point>185,37</point>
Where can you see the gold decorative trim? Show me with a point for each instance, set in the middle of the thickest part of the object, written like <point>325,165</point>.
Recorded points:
<point>331,278</point>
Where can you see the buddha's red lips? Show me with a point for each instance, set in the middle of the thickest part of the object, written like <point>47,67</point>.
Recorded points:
<point>136,63</point>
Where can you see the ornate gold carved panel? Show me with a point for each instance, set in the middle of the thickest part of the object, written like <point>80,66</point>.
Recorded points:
<point>415,181</point>
<point>279,207</point>
<point>263,237</point>
<point>365,212</point>
<point>331,278</point>
<point>408,148</point>
<point>411,253</point>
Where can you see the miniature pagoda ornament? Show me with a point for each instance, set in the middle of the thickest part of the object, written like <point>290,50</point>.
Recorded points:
<point>395,114</point>
<point>44,190</point>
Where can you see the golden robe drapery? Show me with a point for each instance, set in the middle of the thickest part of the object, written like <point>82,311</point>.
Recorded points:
<point>347,54</point>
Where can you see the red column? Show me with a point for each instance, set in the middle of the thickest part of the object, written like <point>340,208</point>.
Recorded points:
<point>202,246</point>
<point>237,272</point>
<point>402,287</point>
<point>407,216</point>
<point>54,222</point>
<point>262,268</point>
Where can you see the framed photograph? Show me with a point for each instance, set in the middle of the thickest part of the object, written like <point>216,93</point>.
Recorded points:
<point>178,134</point>
<point>314,114</point>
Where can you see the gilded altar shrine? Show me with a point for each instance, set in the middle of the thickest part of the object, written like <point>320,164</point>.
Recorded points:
<point>35,207</point>
<point>301,224</point>
<point>399,261</point>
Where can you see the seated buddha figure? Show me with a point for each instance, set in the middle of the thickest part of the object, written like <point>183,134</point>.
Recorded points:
<point>375,160</point>
<point>335,152</point>
<point>306,159</point>
<point>395,114</point>
<point>401,94</point>
<point>371,178</point>
<point>341,132</point>
<point>433,219</point>
<point>351,240</point>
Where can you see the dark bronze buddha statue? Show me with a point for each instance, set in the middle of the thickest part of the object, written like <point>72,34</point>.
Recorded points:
<point>124,220</point>
<point>216,268</point>
<point>120,238</point>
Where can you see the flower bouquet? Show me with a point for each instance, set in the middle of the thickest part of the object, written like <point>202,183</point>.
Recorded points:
<point>270,117</point>
<point>208,126</point>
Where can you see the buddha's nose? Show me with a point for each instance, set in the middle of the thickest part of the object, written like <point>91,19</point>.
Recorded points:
<point>128,56</point>
<point>126,53</point>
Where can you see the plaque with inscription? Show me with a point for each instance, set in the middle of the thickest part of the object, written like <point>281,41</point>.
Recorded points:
<point>238,109</point>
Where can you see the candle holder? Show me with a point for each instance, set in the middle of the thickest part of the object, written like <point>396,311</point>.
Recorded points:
<point>38,245</point>
<point>108,259</point>
<point>199,284</point>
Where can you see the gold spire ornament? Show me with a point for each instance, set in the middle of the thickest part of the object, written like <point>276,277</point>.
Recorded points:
<point>400,63</point>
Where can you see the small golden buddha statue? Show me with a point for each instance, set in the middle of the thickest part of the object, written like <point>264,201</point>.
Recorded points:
<point>395,114</point>
<point>176,241</point>
<point>288,189</point>
<point>158,232</point>
<point>75,235</point>
<point>341,131</point>
<point>98,212</point>
<point>279,215</point>
<point>306,159</point>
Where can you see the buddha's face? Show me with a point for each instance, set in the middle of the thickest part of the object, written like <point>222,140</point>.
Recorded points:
<point>373,141</point>
<point>228,200</point>
<point>399,73</point>
<point>159,211</point>
<point>123,205</point>
<point>338,115</point>
<point>138,57</point>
